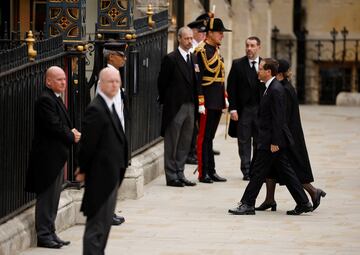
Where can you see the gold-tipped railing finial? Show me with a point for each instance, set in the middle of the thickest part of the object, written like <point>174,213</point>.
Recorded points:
<point>150,13</point>
<point>30,41</point>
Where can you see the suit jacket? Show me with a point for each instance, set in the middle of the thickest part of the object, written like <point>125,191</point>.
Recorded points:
<point>51,142</point>
<point>103,155</point>
<point>239,84</point>
<point>176,86</point>
<point>273,128</point>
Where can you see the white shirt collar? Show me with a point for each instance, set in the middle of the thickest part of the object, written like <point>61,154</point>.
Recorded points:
<point>267,84</point>
<point>109,101</point>
<point>183,53</point>
<point>111,66</point>
<point>257,59</point>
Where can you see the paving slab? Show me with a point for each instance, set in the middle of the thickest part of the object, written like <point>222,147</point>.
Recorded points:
<point>194,220</point>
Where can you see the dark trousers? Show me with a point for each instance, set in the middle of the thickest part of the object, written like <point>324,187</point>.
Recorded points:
<point>264,161</point>
<point>177,142</point>
<point>192,152</point>
<point>98,227</point>
<point>247,129</point>
<point>207,128</point>
<point>46,208</point>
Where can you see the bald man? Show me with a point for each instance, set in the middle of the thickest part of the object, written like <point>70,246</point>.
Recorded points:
<point>50,150</point>
<point>103,159</point>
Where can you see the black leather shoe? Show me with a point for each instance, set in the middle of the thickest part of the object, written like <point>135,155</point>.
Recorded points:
<point>264,206</point>
<point>58,240</point>
<point>186,182</point>
<point>316,202</point>
<point>216,178</point>
<point>49,244</point>
<point>246,178</point>
<point>191,161</point>
<point>117,220</point>
<point>299,209</point>
<point>205,179</point>
<point>216,152</point>
<point>175,183</point>
<point>243,209</point>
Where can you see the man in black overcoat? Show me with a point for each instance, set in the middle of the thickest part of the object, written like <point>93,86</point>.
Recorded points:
<point>298,155</point>
<point>103,159</point>
<point>54,134</point>
<point>273,141</point>
<point>244,92</point>
<point>177,87</point>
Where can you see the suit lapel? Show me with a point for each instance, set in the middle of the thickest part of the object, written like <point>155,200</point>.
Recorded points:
<point>61,105</point>
<point>119,132</point>
<point>182,66</point>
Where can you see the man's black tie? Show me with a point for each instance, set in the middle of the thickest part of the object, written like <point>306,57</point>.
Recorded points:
<point>253,65</point>
<point>116,117</point>
<point>60,99</point>
<point>188,61</point>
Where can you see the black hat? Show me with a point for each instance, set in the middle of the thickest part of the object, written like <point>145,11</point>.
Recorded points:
<point>200,22</point>
<point>216,24</point>
<point>117,47</point>
<point>283,66</point>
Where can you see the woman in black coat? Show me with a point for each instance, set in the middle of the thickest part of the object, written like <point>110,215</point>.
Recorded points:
<point>298,154</point>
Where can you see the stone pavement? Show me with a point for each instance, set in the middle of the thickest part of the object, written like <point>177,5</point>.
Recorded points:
<point>194,220</point>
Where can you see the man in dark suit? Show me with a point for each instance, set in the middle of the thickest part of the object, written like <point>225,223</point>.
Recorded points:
<point>115,56</point>
<point>244,93</point>
<point>103,159</point>
<point>50,150</point>
<point>273,141</point>
<point>177,86</point>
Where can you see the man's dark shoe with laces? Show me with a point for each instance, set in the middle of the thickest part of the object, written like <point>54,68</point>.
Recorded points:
<point>299,209</point>
<point>175,183</point>
<point>205,179</point>
<point>51,244</point>
<point>216,178</point>
<point>186,182</point>
<point>58,240</point>
<point>243,209</point>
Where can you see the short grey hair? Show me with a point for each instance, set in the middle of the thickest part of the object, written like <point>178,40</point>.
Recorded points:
<point>182,30</point>
<point>107,53</point>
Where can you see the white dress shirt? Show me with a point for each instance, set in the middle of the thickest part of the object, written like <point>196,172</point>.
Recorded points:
<point>256,64</point>
<point>183,53</point>
<point>267,84</point>
<point>119,105</point>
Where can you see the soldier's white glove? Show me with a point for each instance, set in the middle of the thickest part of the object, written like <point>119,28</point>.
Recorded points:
<point>226,103</point>
<point>201,109</point>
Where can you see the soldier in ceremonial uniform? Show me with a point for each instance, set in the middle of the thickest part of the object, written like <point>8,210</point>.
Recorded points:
<point>212,98</point>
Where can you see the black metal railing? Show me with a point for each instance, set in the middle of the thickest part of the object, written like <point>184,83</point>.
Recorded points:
<point>9,40</point>
<point>143,70</point>
<point>336,58</point>
<point>140,79</point>
<point>20,86</point>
